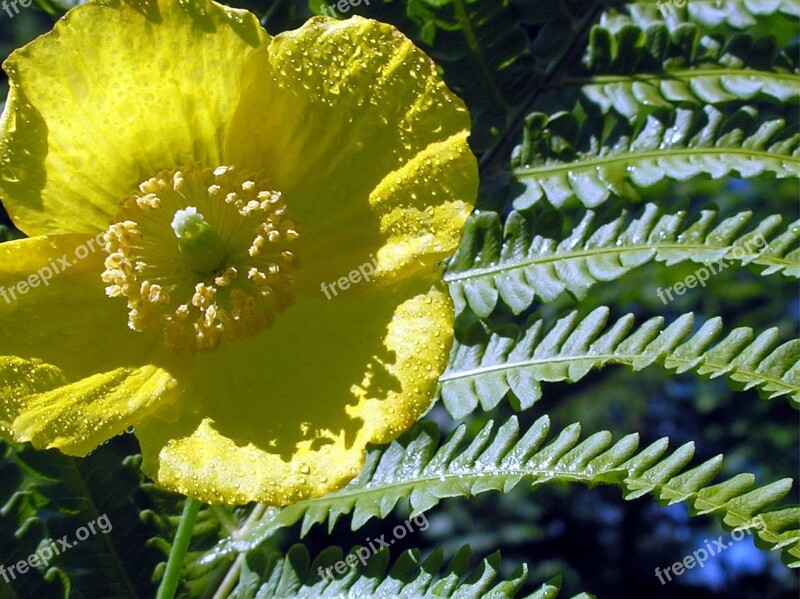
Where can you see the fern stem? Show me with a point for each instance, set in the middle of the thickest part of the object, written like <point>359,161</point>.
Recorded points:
<point>639,156</point>
<point>678,74</point>
<point>690,250</point>
<point>172,575</point>
<point>232,576</point>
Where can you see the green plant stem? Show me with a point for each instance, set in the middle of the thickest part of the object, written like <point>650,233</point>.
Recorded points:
<point>172,575</point>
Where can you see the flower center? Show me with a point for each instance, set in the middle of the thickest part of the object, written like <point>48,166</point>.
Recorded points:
<point>202,253</point>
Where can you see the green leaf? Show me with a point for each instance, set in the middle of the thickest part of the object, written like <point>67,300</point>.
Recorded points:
<point>737,14</point>
<point>482,39</point>
<point>635,69</point>
<point>563,159</point>
<point>295,575</point>
<point>489,363</point>
<point>513,264</point>
<point>47,495</point>
<point>418,468</point>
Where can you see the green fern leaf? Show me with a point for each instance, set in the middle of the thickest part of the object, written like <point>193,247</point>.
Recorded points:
<point>296,576</point>
<point>562,159</point>
<point>737,14</point>
<point>691,86</point>
<point>486,364</point>
<point>490,42</point>
<point>633,70</point>
<point>513,265</point>
<point>496,53</point>
<point>47,496</point>
<point>418,468</point>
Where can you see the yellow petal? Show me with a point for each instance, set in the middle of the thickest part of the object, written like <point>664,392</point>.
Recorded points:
<point>420,230</point>
<point>73,373</point>
<point>53,306</point>
<point>20,379</point>
<point>354,126</point>
<point>78,417</point>
<point>288,416</point>
<point>115,93</point>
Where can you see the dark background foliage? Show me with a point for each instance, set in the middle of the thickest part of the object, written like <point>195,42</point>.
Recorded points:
<point>507,59</point>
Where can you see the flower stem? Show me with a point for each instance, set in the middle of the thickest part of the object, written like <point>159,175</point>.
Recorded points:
<point>172,575</point>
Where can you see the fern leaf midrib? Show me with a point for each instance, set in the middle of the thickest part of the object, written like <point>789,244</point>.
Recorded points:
<point>505,267</point>
<point>681,74</point>
<point>402,489</point>
<point>628,156</point>
<point>605,359</point>
<point>409,485</point>
<point>752,374</point>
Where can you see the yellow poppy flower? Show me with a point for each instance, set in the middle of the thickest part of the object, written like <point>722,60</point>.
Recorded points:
<point>194,192</point>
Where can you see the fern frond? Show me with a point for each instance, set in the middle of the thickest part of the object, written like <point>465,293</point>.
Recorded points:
<point>486,363</point>
<point>418,468</point>
<point>740,14</point>
<point>627,93</point>
<point>48,495</point>
<point>496,54</point>
<point>737,14</point>
<point>485,40</point>
<point>633,70</point>
<point>655,44</point>
<point>563,159</point>
<point>513,264</point>
<point>295,576</point>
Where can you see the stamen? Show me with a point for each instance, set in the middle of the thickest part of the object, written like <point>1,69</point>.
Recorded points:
<point>204,254</point>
